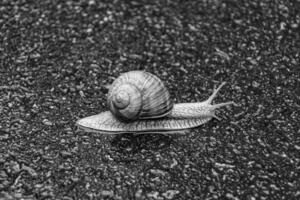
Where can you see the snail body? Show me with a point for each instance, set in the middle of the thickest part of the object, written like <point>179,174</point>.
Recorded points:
<point>140,103</point>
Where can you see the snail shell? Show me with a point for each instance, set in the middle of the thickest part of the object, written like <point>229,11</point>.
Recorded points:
<point>139,95</point>
<point>140,103</point>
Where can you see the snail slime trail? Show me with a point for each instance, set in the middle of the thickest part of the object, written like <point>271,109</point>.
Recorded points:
<point>140,103</point>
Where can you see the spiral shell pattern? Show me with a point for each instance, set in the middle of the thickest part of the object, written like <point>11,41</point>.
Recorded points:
<point>139,95</point>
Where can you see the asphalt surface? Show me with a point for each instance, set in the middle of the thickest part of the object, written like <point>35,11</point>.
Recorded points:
<point>58,58</point>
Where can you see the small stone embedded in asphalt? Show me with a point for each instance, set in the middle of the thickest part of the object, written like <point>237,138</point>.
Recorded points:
<point>47,122</point>
<point>158,172</point>
<point>31,171</point>
<point>107,193</point>
<point>65,154</point>
<point>231,197</point>
<point>138,194</point>
<point>170,194</point>
<point>255,84</point>
<point>13,167</point>
<point>174,163</point>
<point>153,194</point>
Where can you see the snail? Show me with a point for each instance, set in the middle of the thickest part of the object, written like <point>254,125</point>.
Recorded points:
<point>140,103</point>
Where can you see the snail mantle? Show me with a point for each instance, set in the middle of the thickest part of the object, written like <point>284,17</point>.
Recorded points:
<point>140,103</point>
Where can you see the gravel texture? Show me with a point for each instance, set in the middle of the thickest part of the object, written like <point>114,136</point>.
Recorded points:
<point>58,58</point>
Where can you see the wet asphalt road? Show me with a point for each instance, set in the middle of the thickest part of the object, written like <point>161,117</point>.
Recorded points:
<point>57,60</point>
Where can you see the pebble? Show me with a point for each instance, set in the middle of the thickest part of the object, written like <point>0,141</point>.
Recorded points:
<point>47,122</point>
<point>135,56</point>
<point>14,167</point>
<point>158,172</point>
<point>138,194</point>
<point>107,193</point>
<point>153,194</point>
<point>170,194</point>
<point>31,171</point>
<point>65,154</point>
<point>230,196</point>
<point>255,84</point>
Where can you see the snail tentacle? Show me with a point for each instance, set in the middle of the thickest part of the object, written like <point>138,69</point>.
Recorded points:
<point>219,105</point>
<point>214,94</point>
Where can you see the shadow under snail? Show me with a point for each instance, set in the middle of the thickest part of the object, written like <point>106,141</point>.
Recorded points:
<point>140,103</point>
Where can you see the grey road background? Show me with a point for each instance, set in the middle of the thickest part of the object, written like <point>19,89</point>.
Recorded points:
<point>58,58</point>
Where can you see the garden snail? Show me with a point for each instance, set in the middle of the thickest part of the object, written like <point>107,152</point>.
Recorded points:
<point>140,103</point>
